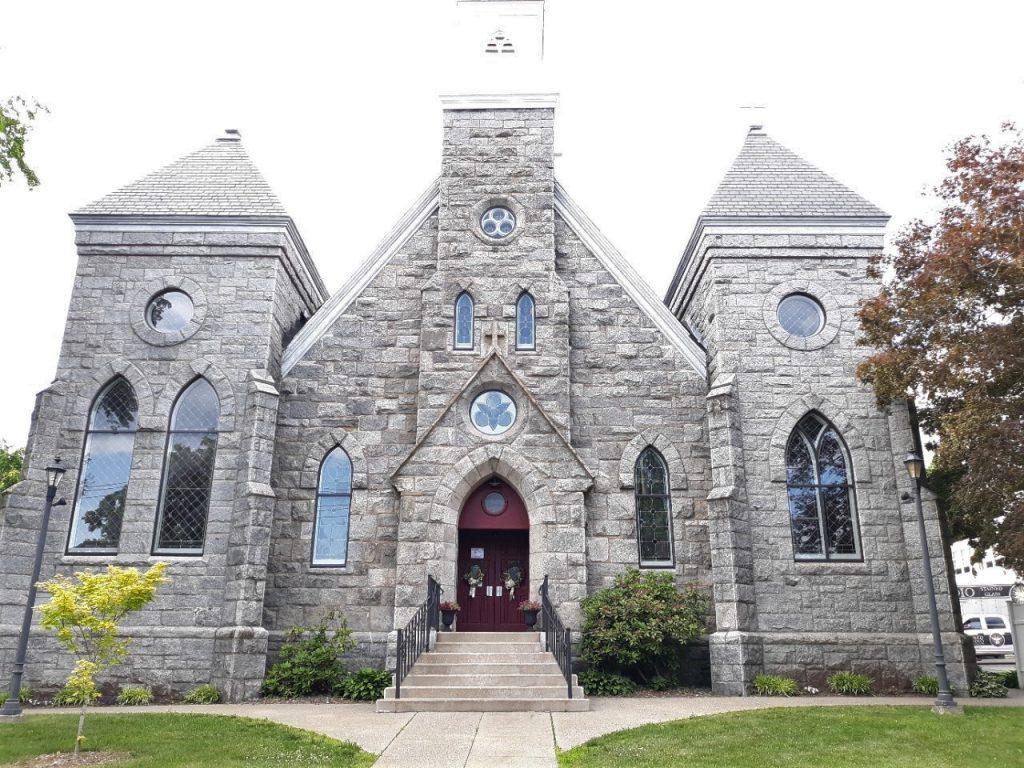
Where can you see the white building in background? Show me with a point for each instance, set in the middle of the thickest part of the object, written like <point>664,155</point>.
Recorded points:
<point>984,592</point>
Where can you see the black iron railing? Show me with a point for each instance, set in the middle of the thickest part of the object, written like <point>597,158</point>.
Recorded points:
<point>557,638</point>
<point>414,639</point>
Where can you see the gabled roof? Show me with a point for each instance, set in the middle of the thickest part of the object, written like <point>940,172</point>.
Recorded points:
<point>495,355</point>
<point>766,179</point>
<point>217,180</point>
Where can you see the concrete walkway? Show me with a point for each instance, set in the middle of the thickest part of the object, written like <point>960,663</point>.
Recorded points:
<point>508,739</point>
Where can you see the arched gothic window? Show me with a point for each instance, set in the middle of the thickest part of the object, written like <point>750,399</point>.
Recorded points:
<point>525,322</point>
<point>653,510</point>
<point>106,467</point>
<point>464,321</point>
<point>188,471</point>
<point>333,506</point>
<point>822,510</point>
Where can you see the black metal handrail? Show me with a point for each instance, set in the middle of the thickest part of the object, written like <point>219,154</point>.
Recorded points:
<point>557,637</point>
<point>414,639</point>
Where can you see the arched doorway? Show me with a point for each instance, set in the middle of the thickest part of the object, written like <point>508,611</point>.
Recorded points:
<point>494,543</point>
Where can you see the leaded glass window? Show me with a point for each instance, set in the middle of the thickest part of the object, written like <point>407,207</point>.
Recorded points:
<point>653,509</point>
<point>822,510</point>
<point>525,322</point>
<point>106,467</point>
<point>464,321</point>
<point>188,471</point>
<point>333,507</point>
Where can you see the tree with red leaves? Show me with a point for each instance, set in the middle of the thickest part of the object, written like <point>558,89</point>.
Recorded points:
<point>948,329</point>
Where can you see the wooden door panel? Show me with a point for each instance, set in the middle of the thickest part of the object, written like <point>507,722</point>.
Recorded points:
<point>494,612</point>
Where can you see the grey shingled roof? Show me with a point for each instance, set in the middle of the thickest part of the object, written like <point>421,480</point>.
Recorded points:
<point>217,180</point>
<point>769,180</point>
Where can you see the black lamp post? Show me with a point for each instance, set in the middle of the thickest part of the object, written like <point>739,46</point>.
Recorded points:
<point>12,707</point>
<point>944,702</point>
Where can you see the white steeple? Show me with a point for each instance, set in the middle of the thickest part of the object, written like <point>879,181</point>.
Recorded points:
<point>496,46</point>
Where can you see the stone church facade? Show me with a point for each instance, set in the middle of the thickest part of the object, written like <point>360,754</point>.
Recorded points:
<point>288,451</point>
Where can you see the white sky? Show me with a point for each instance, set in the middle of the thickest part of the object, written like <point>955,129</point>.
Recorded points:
<point>337,104</point>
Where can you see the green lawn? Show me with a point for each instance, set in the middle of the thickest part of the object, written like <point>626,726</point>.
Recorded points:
<point>835,737</point>
<point>169,741</point>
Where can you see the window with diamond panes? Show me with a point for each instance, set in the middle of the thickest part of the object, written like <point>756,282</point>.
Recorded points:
<point>106,467</point>
<point>333,506</point>
<point>653,509</point>
<point>188,471</point>
<point>464,321</point>
<point>525,322</point>
<point>822,510</point>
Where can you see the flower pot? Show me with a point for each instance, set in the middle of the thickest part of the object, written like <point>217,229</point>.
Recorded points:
<point>447,617</point>
<point>530,617</point>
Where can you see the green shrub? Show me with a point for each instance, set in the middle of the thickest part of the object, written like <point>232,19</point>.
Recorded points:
<point>24,696</point>
<point>661,683</point>
<point>640,625</point>
<point>365,684</point>
<point>135,696</point>
<point>988,685</point>
<point>1010,679</point>
<point>850,684</point>
<point>310,661</point>
<point>774,685</point>
<point>928,685</point>
<point>204,694</point>
<point>598,683</point>
<point>70,697</point>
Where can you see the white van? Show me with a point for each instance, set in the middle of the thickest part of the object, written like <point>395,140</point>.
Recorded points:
<point>991,634</point>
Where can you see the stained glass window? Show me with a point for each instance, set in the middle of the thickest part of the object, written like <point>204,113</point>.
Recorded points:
<point>821,501</point>
<point>801,315</point>
<point>653,509</point>
<point>525,320</point>
<point>188,471</point>
<point>333,506</point>
<point>493,412</point>
<point>170,311</point>
<point>464,321</point>
<point>106,466</point>
<point>498,222</point>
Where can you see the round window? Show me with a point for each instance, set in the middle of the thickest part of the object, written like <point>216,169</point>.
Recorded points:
<point>170,311</point>
<point>494,503</point>
<point>801,315</point>
<point>493,412</point>
<point>498,222</point>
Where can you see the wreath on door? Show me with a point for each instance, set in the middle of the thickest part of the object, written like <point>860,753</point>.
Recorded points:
<point>475,578</point>
<point>513,577</point>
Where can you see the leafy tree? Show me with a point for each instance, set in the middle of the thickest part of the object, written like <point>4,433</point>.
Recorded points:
<point>10,465</point>
<point>84,613</point>
<point>16,116</point>
<point>948,328</point>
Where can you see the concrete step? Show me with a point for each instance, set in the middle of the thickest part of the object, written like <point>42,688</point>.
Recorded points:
<point>521,657</point>
<point>416,677</point>
<point>482,705</point>
<point>482,692</point>
<point>476,646</point>
<point>429,666</point>
<point>486,637</point>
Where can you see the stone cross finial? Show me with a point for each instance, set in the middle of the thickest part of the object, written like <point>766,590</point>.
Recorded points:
<point>495,337</point>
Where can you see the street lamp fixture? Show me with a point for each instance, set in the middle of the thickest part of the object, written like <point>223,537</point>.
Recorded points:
<point>944,702</point>
<point>12,707</point>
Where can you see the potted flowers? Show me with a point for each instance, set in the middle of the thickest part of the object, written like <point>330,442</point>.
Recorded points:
<point>448,611</point>
<point>530,609</point>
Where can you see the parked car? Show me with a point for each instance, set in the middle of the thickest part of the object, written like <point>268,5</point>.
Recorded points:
<point>991,634</point>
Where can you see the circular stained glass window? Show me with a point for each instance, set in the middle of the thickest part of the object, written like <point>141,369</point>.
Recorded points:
<point>494,503</point>
<point>498,222</point>
<point>170,311</point>
<point>493,412</point>
<point>801,315</point>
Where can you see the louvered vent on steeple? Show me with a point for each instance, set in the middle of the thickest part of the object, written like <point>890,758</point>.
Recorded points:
<point>500,44</point>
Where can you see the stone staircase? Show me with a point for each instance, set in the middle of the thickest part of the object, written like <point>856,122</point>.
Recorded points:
<point>485,672</point>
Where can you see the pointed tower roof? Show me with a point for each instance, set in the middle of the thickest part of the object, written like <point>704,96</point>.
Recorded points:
<point>767,179</point>
<point>217,180</point>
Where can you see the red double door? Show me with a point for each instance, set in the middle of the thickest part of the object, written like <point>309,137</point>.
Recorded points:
<point>494,545</point>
